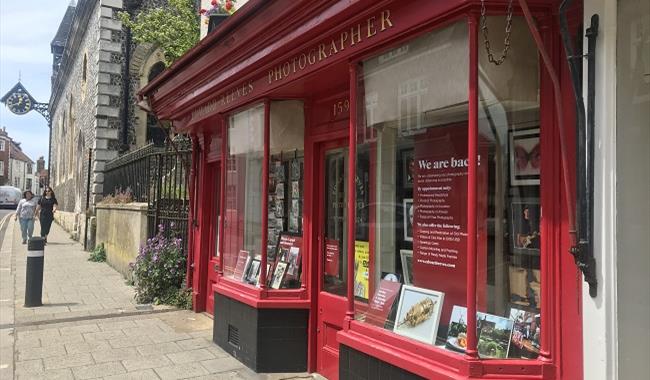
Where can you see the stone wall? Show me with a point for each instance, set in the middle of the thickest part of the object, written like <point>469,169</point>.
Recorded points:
<point>86,106</point>
<point>123,229</point>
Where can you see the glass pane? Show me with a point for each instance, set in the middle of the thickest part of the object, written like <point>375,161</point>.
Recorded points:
<point>335,243</point>
<point>243,219</point>
<point>285,198</point>
<point>509,248</point>
<point>412,146</point>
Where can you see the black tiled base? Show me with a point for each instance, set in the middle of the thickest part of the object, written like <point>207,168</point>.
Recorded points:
<point>265,340</point>
<point>355,365</point>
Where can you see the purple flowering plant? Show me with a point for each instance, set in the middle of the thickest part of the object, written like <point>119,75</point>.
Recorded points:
<point>159,269</point>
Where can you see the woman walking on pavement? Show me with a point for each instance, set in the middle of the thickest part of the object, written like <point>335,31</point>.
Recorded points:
<point>26,211</point>
<point>47,206</point>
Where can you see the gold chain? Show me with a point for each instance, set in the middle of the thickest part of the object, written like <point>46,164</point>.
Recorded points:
<point>486,38</point>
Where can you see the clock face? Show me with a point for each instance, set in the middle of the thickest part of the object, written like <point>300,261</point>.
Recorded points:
<point>19,103</point>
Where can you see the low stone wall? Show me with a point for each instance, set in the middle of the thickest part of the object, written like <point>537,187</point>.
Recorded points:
<point>123,229</point>
<point>72,222</point>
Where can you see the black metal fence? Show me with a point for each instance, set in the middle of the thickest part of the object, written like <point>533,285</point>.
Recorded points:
<point>158,176</point>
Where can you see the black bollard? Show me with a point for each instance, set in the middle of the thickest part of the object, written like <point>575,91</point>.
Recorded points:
<point>34,277</point>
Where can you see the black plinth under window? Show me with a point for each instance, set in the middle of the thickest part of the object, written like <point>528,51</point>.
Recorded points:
<point>265,340</point>
<point>355,365</point>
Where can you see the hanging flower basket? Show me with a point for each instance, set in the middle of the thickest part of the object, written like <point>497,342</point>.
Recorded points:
<point>218,13</point>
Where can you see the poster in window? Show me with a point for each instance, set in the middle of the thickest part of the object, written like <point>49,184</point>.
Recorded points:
<point>418,313</point>
<point>278,275</point>
<point>409,212</point>
<point>493,333</point>
<point>525,157</point>
<point>252,272</point>
<point>525,226</point>
<point>289,251</point>
<point>407,265</point>
<point>243,259</point>
<point>382,302</point>
<point>526,330</point>
<point>407,168</point>
<point>440,214</point>
<point>295,190</point>
<point>279,190</point>
<point>361,268</point>
<point>332,254</point>
<point>295,169</point>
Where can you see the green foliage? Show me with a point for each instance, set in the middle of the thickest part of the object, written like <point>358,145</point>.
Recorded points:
<point>159,270</point>
<point>182,299</point>
<point>174,28</point>
<point>98,254</point>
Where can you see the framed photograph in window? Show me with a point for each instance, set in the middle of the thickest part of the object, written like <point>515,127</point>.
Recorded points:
<point>278,275</point>
<point>525,226</point>
<point>418,313</point>
<point>408,168</point>
<point>407,265</point>
<point>408,219</point>
<point>525,157</point>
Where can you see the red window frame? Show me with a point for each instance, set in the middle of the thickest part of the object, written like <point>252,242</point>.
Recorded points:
<point>430,361</point>
<point>262,296</point>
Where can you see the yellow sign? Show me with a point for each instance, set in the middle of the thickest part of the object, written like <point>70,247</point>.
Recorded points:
<point>361,268</point>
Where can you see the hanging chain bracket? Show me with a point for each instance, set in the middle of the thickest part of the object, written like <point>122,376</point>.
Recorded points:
<point>486,37</point>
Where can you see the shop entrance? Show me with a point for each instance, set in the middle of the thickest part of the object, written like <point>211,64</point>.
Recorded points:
<point>332,268</point>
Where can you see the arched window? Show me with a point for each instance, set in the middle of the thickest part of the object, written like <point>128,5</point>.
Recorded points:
<point>154,133</point>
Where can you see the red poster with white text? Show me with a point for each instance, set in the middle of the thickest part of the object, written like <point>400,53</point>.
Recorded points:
<point>440,215</point>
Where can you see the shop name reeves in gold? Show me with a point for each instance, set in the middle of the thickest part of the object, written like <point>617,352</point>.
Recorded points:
<point>355,35</point>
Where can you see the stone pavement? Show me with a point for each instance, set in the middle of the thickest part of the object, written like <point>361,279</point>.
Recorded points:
<point>89,326</point>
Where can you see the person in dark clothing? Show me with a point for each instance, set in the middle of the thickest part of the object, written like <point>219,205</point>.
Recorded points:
<point>47,206</point>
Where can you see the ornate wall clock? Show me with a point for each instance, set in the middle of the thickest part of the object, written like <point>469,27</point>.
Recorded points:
<point>19,103</point>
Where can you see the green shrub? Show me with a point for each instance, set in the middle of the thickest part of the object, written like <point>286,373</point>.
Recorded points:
<point>182,299</point>
<point>159,269</point>
<point>98,254</point>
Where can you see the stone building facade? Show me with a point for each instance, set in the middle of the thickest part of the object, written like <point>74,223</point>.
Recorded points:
<point>97,70</point>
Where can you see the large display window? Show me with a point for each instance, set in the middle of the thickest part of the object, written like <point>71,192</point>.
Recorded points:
<point>264,199</point>
<point>412,141</point>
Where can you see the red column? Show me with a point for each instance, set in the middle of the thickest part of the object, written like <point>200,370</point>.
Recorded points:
<point>224,171</point>
<point>472,188</point>
<point>265,192</point>
<point>352,144</point>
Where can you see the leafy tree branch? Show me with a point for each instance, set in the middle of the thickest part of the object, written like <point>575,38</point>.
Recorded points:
<point>174,27</point>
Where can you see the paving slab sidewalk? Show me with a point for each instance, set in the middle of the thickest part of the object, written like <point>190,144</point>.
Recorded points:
<point>90,327</point>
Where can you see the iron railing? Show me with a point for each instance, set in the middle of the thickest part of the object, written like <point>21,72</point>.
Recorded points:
<point>157,176</point>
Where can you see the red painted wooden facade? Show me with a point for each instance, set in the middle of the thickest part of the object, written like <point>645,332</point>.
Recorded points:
<point>257,56</point>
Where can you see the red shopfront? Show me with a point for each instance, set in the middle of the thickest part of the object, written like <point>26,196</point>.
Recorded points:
<point>341,150</point>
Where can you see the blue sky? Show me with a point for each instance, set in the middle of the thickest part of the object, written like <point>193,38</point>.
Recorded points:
<point>26,30</point>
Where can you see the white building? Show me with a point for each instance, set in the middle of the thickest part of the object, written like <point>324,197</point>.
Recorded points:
<point>22,170</point>
<point>616,323</point>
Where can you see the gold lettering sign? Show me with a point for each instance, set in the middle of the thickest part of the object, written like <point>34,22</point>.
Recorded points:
<point>226,98</point>
<point>356,34</point>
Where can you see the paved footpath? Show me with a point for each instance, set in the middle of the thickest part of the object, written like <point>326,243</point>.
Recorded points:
<point>90,327</point>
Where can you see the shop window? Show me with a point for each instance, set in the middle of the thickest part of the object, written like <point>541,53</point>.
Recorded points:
<point>286,194</point>
<point>411,225</point>
<point>284,200</point>
<point>243,209</point>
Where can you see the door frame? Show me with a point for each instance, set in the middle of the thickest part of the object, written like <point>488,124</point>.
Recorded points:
<point>317,144</point>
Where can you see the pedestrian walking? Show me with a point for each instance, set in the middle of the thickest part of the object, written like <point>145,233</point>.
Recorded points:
<point>25,212</point>
<point>47,207</point>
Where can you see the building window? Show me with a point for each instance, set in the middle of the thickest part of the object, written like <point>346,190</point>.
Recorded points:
<point>2,145</point>
<point>243,218</point>
<point>84,68</point>
<point>28,184</point>
<point>29,168</point>
<point>16,181</point>
<point>2,168</point>
<point>412,209</point>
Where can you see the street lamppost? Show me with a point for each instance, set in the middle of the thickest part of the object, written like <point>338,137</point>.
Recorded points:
<point>20,102</point>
